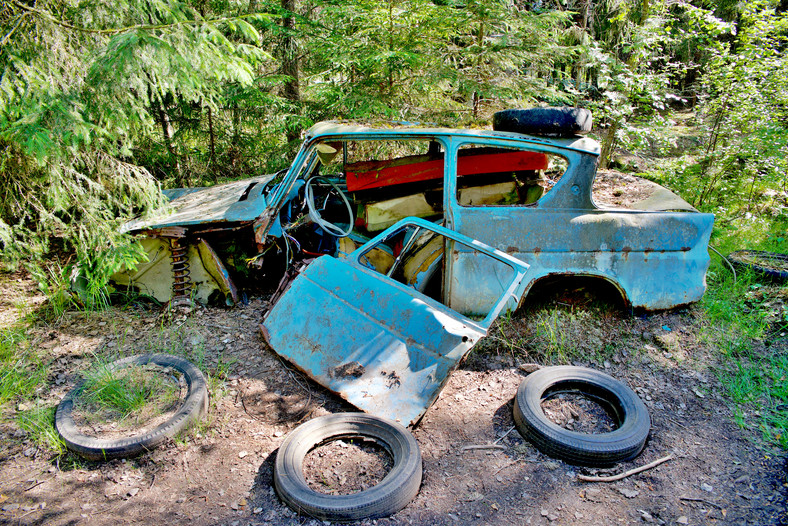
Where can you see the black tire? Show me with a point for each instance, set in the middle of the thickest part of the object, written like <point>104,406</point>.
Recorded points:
<point>552,122</point>
<point>769,264</point>
<point>604,449</point>
<point>194,406</point>
<point>392,494</point>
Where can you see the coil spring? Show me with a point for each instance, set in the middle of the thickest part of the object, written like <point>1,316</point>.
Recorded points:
<point>181,276</point>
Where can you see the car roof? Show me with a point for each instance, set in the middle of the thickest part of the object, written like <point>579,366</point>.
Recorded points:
<point>405,130</point>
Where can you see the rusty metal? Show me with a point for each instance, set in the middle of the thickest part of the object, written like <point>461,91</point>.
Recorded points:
<point>181,274</point>
<point>378,342</point>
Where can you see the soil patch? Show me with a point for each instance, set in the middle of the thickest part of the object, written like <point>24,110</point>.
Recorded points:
<point>576,412</point>
<point>220,473</point>
<point>342,467</point>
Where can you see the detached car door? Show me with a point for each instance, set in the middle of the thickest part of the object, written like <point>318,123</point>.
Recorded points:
<point>360,327</point>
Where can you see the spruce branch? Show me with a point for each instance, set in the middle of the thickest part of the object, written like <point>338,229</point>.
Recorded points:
<point>145,27</point>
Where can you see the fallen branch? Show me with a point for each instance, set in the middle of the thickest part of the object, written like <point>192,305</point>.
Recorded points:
<point>704,501</point>
<point>504,435</point>
<point>483,446</point>
<point>625,474</point>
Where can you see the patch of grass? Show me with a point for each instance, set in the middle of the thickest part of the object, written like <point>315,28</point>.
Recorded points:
<point>760,390</point>
<point>553,334</point>
<point>39,422</point>
<point>130,395</point>
<point>746,327</point>
<point>20,371</point>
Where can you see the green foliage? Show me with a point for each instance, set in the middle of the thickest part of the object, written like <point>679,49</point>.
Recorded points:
<point>744,165</point>
<point>81,85</point>
<point>20,371</point>
<point>39,422</point>
<point>750,336</point>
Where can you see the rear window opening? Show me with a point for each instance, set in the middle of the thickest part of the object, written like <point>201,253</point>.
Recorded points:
<point>505,176</point>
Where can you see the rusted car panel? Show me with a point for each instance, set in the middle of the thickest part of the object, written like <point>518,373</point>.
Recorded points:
<point>238,201</point>
<point>380,344</point>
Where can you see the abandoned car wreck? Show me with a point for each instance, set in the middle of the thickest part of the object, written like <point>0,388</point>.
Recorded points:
<point>418,238</point>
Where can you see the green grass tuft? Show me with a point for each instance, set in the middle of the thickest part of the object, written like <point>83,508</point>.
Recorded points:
<point>39,422</point>
<point>20,371</point>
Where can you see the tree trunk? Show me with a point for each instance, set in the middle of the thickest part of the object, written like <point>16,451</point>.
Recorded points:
<point>479,59</point>
<point>292,90</point>
<point>167,132</point>
<point>211,143</point>
<point>608,146</point>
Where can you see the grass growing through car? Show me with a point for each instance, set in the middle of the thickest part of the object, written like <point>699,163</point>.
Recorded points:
<point>126,397</point>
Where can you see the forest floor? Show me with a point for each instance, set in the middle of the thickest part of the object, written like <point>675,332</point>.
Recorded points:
<point>221,471</point>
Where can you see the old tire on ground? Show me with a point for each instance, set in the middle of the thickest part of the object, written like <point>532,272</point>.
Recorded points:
<point>392,494</point>
<point>769,264</point>
<point>194,405</point>
<point>554,122</point>
<point>604,449</point>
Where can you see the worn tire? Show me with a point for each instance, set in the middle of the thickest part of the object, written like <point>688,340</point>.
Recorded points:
<point>392,494</point>
<point>769,264</point>
<point>552,122</point>
<point>194,406</point>
<point>604,449</point>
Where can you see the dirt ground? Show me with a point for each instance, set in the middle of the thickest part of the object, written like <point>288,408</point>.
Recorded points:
<point>221,472</point>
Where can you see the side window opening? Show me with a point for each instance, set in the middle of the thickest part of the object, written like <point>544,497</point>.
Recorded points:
<point>415,257</point>
<point>498,176</point>
<point>390,180</point>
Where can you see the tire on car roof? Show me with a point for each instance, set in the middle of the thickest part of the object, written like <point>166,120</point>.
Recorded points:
<point>553,122</point>
<point>392,494</point>
<point>193,407</point>
<point>603,449</point>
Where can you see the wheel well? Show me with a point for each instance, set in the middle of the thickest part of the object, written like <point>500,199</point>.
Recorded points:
<point>573,289</point>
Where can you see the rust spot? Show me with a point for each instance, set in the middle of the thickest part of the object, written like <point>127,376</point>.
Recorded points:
<point>353,369</point>
<point>392,378</point>
<point>512,250</point>
<point>626,249</point>
<point>648,251</point>
<point>537,250</point>
<point>265,334</point>
<point>685,249</point>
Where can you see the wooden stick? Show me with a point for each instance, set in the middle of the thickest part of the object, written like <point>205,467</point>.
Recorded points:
<point>504,435</point>
<point>484,446</point>
<point>626,474</point>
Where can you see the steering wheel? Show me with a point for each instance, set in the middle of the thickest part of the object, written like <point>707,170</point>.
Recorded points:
<point>314,215</point>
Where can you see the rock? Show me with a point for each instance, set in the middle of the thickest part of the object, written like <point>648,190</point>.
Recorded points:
<point>11,507</point>
<point>682,520</point>
<point>629,493</point>
<point>646,516</point>
<point>551,465</point>
<point>133,491</point>
<point>529,367</point>
<point>242,454</point>
<point>29,452</point>
<point>707,488</point>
